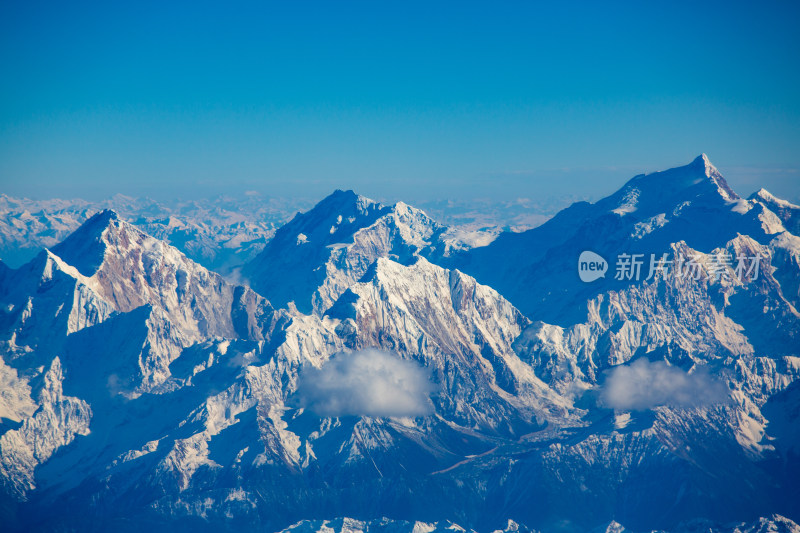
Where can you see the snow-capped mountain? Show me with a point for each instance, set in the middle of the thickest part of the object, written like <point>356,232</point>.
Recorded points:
<point>786,211</point>
<point>315,257</point>
<point>693,204</point>
<point>381,368</point>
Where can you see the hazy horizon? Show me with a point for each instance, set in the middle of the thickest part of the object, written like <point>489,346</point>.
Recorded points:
<point>548,190</point>
<point>395,101</point>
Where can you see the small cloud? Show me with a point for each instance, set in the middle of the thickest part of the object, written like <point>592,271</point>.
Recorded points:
<point>235,277</point>
<point>643,385</point>
<point>241,360</point>
<point>113,385</point>
<point>366,383</point>
<point>117,387</point>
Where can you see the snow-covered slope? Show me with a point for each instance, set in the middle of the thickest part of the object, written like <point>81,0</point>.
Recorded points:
<point>112,322</point>
<point>108,266</point>
<point>315,257</point>
<point>786,211</point>
<point>537,268</point>
<point>145,332</point>
<point>462,331</point>
<point>140,390</point>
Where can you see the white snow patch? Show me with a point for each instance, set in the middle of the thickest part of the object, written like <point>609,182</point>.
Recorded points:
<point>640,229</point>
<point>740,206</point>
<point>629,202</point>
<point>15,395</point>
<point>622,420</point>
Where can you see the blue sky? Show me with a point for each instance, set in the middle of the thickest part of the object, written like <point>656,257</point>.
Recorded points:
<point>411,100</point>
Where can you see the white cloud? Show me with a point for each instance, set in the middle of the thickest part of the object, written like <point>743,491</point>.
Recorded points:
<point>235,277</point>
<point>644,385</point>
<point>366,383</point>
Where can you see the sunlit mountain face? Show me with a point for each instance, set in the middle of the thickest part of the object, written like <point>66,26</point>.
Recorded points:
<point>629,364</point>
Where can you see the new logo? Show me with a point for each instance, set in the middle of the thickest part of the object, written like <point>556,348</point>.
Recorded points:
<point>591,266</point>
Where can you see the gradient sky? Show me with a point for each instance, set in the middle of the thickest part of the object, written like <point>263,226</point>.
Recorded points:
<point>411,100</point>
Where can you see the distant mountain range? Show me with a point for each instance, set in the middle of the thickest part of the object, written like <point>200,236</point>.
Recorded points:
<point>363,367</point>
<point>228,231</point>
<point>218,233</point>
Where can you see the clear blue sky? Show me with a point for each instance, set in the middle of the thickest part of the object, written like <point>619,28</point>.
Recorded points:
<point>409,100</point>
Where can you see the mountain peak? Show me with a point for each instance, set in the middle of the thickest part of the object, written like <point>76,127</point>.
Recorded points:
<point>767,197</point>
<point>84,249</point>
<point>344,193</point>
<point>344,233</point>
<point>104,217</point>
<point>337,211</point>
<point>710,169</point>
<point>340,195</point>
<point>787,212</point>
<point>715,176</point>
<point>658,190</point>
<point>339,198</point>
<point>762,193</point>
